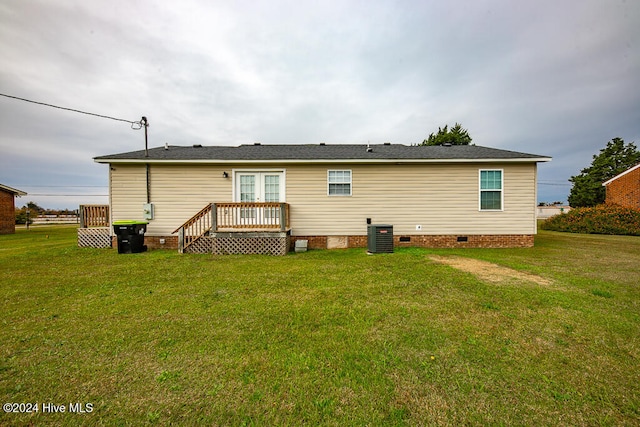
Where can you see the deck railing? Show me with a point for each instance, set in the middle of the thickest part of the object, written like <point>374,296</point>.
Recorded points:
<point>258,216</point>
<point>94,230</point>
<point>269,216</point>
<point>94,216</point>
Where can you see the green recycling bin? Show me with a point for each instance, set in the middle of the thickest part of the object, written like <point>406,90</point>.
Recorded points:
<point>130,234</point>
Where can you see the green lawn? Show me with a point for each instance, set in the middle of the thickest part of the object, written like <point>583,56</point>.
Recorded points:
<point>320,338</point>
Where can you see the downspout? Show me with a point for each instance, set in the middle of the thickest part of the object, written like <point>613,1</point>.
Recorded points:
<point>535,197</point>
<point>148,182</point>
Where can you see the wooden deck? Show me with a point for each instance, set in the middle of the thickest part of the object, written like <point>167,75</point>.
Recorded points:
<point>236,228</point>
<point>219,228</point>
<point>95,227</point>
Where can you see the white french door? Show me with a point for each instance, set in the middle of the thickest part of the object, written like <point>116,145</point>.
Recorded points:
<point>258,187</point>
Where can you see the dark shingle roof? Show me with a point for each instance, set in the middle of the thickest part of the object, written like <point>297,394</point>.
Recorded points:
<point>320,152</point>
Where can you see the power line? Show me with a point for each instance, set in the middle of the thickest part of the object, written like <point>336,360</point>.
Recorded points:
<point>137,123</point>
<point>554,184</point>
<point>67,195</point>
<point>62,186</point>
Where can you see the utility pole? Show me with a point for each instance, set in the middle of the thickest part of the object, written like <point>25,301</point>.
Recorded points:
<point>145,123</point>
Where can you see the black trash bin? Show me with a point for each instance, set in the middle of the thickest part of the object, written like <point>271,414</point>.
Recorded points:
<point>130,236</point>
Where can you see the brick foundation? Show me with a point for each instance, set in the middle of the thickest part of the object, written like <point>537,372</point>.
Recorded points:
<point>399,241</point>
<point>153,242</point>
<point>429,241</point>
<point>315,242</point>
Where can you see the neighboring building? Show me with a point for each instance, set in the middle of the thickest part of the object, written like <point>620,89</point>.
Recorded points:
<point>434,196</point>
<point>544,212</point>
<point>8,209</point>
<point>624,189</point>
<point>55,219</point>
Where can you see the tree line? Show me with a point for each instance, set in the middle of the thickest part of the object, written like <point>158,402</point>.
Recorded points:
<point>587,190</point>
<point>32,210</point>
<point>615,158</point>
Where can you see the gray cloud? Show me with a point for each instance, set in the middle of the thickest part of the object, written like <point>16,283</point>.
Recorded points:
<point>552,78</point>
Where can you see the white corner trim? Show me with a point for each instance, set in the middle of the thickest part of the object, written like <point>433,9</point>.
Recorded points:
<point>604,184</point>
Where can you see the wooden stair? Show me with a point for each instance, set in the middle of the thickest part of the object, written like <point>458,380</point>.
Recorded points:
<point>238,217</point>
<point>195,228</point>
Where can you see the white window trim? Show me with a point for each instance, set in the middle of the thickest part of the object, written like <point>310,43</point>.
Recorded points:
<point>350,182</point>
<point>235,181</point>
<point>480,190</point>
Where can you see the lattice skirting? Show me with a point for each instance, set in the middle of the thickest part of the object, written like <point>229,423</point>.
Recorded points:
<point>99,237</point>
<point>250,243</point>
<point>203,245</point>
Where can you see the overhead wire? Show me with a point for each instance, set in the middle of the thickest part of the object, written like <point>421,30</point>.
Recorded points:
<point>38,187</point>
<point>68,195</point>
<point>61,186</point>
<point>555,183</point>
<point>134,124</point>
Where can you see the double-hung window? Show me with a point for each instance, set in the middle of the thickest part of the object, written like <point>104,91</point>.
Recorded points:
<point>339,182</point>
<point>491,188</point>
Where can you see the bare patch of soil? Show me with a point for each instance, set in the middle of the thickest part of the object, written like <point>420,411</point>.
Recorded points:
<point>487,271</point>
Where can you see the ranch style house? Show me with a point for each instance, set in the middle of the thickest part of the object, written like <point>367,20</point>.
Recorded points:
<point>226,199</point>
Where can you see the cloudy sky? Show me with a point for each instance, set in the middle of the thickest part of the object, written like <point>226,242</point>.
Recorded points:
<point>557,78</point>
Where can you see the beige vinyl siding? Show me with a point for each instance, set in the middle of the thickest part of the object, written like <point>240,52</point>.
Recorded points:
<point>442,198</point>
<point>127,191</point>
<point>177,192</point>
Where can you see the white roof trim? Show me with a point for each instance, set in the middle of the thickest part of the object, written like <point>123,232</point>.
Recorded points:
<point>13,190</point>
<point>621,175</point>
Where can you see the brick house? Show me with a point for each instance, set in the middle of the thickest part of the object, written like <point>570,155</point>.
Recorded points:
<point>8,209</point>
<point>624,189</point>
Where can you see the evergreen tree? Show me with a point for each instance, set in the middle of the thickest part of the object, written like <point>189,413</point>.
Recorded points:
<point>454,136</point>
<point>614,159</point>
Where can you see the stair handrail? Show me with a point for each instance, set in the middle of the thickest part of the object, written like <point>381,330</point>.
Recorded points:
<point>201,223</point>
<point>204,211</point>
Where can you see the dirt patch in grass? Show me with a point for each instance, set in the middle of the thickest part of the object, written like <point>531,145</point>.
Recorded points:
<point>487,271</point>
